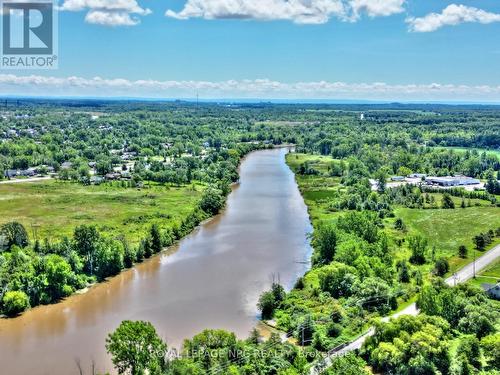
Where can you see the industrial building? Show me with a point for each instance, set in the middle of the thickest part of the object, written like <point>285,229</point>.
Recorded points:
<point>452,181</point>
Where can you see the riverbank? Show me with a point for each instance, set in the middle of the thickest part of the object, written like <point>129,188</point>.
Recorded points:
<point>90,233</point>
<point>361,268</point>
<point>212,279</point>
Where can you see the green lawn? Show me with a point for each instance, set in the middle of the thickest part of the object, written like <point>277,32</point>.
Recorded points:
<point>448,229</point>
<point>490,275</point>
<point>55,208</point>
<point>480,150</point>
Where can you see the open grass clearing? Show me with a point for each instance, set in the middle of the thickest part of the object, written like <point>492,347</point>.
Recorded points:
<point>53,208</point>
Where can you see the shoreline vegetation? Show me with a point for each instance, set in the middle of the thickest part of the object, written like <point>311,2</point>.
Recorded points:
<point>102,254</point>
<point>319,316</point>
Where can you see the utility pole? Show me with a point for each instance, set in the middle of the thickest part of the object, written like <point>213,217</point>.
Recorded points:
<point>474,264</point>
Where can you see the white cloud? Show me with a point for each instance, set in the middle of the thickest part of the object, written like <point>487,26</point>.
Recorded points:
<point>260,88</point>
<point>108,12</point>
<point>108,18</point>
<point>377,8</point>
<point>452,15</point>
<point>298,11</point>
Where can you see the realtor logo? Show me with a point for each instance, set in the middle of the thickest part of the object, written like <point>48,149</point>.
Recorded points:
<point>28,35</point>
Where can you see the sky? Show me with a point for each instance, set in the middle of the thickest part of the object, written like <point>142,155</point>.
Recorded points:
<point>406,50</point>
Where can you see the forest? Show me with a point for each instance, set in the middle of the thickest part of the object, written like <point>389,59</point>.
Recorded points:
<point>377,246</point>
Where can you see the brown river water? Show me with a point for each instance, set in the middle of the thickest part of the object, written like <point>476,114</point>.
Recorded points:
<point>211,280</point>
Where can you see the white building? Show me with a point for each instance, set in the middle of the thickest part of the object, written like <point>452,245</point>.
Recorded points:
<point>452,181</point>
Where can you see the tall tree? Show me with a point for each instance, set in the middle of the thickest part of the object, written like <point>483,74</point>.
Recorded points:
<point>136,348</point>
<point>14,233</point>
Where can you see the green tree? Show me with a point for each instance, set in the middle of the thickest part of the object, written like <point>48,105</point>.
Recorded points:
<point>480,241</point>
<point>108,258</point>
<point>399,225</point>
<point>441,267</point>
<point>15,302</point>
<point>418,247</point>
<point>278,293</point>
<point>14,234</point>
<point>469,347</point>
<point>325,241</point>
<point>447,202</point>
<point>337,279</point>
<point>86,239</point>
<point>156,242</point>
<point>381,178</point>
<point>129,253</point>
<point>59,276</point>
<point>212,201</point>
<point>136,348</point>
<point>183,366</point>
<point>349,364</point>
<point>404,272</point>
<point>491,350</point>
<point>267,304</point>
<point>145,248</point>
<point>462,251</point>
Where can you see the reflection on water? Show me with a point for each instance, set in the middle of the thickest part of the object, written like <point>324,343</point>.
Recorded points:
<point>213,280</point>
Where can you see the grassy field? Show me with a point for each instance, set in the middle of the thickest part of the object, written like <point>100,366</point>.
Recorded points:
<point>317,190</point>
<point>55,208</point>
<point>480,150</point>
<point>448,229</point>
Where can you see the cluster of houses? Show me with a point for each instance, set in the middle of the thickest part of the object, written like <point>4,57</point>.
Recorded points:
<point>29,172</point>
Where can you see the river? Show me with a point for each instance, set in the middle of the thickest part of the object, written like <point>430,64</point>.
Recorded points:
<point>211,280</point>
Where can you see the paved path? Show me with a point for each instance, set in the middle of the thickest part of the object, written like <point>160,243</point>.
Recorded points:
<point>460,276</point>
<point>21,180</point>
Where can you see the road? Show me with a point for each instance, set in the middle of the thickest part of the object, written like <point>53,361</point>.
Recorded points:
<point>460,276</point>
<point>21,180</point>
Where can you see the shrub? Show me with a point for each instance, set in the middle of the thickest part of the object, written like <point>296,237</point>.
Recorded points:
<point>266,304</point>
<point>399,224</point>
<point>447,202</point>
<point>212,201</point>
<point>441,267</point>
<point>15,302</point>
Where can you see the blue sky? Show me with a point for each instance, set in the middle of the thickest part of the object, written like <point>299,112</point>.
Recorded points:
<point>272,51</point>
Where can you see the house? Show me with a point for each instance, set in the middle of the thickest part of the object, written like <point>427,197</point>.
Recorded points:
<point>417,175</point>
<point>42,169</point>
<point>492,290</point>
<point>397,178</point>
<point>96,180</point>
<point>30,172</point>
<point>112,176</point>
<point>66,165</point>
<point>10,173</point>
<point>450,181</point>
